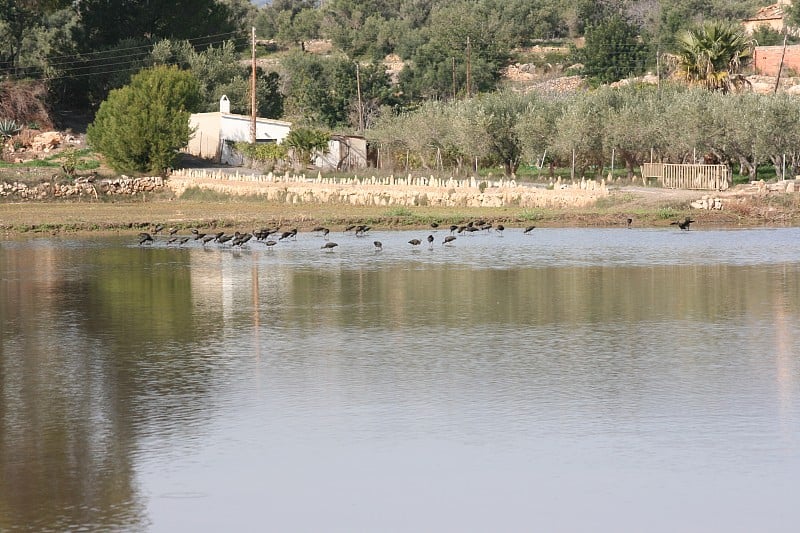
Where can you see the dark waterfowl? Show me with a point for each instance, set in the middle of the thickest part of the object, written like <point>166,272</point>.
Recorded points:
<point>684,224</point>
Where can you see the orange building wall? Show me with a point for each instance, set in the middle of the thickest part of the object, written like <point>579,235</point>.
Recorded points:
<point>767,59</point>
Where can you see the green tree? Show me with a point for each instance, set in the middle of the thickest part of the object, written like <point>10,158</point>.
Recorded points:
<point>460,38</point>
<point>106,22</point>
<point>304,142</point>
<point>219,72</point>
<point>713,55</point>
<point>499,115</point>
<point>613,50</point>
<point>141,126</point>
<point>324,92</point>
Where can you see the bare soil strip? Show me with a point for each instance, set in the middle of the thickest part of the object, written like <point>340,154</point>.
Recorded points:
<point>650,208</point>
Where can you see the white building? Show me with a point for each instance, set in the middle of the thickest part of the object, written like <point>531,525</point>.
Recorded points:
<point>215,133</point>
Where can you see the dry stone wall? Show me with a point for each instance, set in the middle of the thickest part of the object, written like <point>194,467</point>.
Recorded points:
<point>82,187</point>
<point>391,191</point>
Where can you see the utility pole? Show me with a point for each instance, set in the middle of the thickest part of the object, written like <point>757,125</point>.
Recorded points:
<point>469,70</point>
<point>454,78</point>
<point>253,88</point>
<point>360,104</point>
<point>658,71</point>
<point>780,67</point>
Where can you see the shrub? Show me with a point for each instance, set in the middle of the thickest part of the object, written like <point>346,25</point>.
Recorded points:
<point>141,126</point>
<point>269,153</point>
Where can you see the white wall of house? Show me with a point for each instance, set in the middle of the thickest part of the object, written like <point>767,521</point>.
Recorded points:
<point>205,141</point>
<point>236,128</point>
<point>214,132</point>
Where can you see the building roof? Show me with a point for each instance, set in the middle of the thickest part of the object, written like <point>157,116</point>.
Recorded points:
<point>247,118</point>
<point>775,11</point>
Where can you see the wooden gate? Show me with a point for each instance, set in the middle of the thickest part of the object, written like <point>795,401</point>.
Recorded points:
<point>702,177</point>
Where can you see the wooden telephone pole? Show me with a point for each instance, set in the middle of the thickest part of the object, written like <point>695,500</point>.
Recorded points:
<point>469,69</point>
<point>780,67</point>
<point>253,88</point>
<point>360,102</point>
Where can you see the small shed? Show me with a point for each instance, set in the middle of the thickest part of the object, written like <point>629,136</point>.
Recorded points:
<point>345,152</point>
<point>216,132</point>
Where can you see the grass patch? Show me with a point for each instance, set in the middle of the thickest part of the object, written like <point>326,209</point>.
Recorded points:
<point>608,202</point>
<point>531,215</point>
<point>33,163</point>
<point>666,213</point>
<point>399,212</point>
<point>88,164</point>
<point>196,194</point>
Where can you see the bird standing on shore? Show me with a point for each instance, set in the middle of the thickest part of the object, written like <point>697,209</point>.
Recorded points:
<point>684,225</point>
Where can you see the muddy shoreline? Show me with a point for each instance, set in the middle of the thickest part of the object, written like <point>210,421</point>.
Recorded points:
<point>648,208</point>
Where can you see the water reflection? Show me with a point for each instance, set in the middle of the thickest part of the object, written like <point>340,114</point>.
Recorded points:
<point>156,388</point>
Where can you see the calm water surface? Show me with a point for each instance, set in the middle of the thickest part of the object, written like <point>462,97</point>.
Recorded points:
<point>567,380</point>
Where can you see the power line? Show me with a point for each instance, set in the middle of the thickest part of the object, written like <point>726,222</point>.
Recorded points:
<point>114,50</point>
<point>76,64</point>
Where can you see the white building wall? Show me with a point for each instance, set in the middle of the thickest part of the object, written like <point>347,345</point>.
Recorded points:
<point>205,141</point>
<point>214,132</point>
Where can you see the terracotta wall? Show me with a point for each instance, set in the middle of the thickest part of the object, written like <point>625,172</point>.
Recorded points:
<point>767,59</point>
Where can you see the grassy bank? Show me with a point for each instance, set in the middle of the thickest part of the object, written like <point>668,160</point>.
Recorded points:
<point>247,213</point>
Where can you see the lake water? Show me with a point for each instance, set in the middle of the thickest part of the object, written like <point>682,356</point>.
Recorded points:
<point>599,380</point>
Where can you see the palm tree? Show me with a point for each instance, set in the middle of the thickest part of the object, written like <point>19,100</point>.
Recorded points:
<point>713,55</point>
<point>304,142</point>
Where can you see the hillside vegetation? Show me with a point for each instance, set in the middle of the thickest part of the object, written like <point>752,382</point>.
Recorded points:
<point>427,82</point>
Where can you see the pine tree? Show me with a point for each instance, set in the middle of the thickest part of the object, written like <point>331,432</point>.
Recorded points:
<point>141,126</point>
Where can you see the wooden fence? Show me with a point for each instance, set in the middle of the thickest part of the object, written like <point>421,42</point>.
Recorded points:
<point>703,177</point>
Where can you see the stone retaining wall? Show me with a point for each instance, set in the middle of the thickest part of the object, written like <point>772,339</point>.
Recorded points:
<point>82,187</point>
<point>391,191</point>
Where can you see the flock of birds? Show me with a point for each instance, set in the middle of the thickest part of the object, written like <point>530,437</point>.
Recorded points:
<point>272,236</point>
